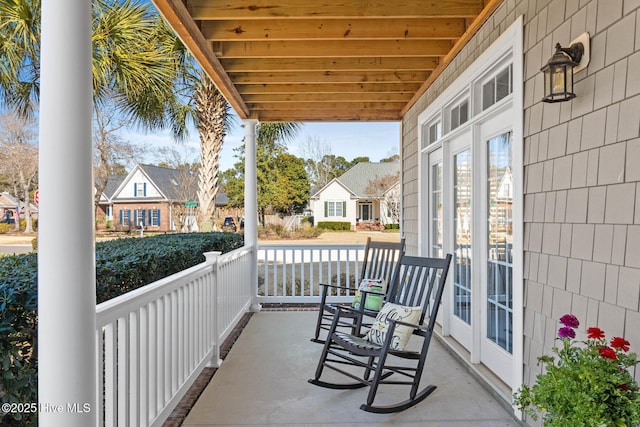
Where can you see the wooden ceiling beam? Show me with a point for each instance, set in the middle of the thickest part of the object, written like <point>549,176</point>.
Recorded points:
<point>283,9</point>
<point>490,7</point>
<point>334,29</point>
<point>332,48</point>
<point>375,90</point>
<point>311,77</point>
<point>328,97</point>
<point>340,64</point>
<point>177,16</point>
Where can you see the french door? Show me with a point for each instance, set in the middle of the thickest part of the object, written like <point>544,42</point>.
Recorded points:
<point>497,249</point>
<point>470,197</point>
<point>461,170</point>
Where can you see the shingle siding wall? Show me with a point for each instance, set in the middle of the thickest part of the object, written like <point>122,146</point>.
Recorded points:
<point>582,190</point>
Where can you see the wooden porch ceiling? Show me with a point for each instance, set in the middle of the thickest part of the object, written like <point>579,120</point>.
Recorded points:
<point>327,60</point>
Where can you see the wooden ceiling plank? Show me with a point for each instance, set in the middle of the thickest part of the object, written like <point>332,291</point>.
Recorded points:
<point>329,115</point>
<point>336,64</point>
<point>374,90</point>
<point>327,105</point>
<point>331,77</point>
<point>177,16</point>
<point>327,97</point>
<point>333,49</point>
<point>334,29</point>
<point>283,9</point>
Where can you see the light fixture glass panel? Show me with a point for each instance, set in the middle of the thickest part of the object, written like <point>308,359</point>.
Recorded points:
<point>557,79</point>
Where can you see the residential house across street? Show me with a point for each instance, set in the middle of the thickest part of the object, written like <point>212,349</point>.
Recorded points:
<point>366,193</point>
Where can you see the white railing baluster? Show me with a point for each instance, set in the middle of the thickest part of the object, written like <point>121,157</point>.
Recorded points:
<point>144,365</point>
<point>100,376</point>
<point>134,368</point>
<point>110,389</point>
<point>153,359</point>
<point>123,370</point>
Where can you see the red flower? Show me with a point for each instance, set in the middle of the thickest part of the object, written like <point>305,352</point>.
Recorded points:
<point>620,343</point>
<point>607,353</point>
<point>595,333</point>
<point>623,387</point>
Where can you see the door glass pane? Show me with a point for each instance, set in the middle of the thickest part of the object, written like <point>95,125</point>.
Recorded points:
<point>365,212</point>
<point>436,211</point>
<point>462,229</point>
<point>500,241</point>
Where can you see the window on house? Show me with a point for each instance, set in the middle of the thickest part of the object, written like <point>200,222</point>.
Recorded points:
<point>335,208</point>
<point>459,114</point>
<point>125,217</point>
<point>140,189</point>
<point>154,217</point>
<point>138,217</point>
<point>498,87</point>
<point>431,132</point>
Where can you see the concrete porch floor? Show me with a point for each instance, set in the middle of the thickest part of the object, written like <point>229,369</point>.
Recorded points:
<point>263,382</point>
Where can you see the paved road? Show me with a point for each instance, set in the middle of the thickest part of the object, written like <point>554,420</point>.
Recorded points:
<point>15,249</point>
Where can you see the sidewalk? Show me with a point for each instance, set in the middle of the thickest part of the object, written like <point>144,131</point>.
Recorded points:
<point>326,237</point>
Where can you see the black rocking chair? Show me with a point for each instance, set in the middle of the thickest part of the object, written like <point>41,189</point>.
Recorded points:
<point>380,260</point>
<point>374,356</point>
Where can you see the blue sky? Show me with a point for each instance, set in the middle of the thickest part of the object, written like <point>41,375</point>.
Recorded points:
<point>376,140</point>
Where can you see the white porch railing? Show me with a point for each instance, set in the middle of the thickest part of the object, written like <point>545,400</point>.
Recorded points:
<point>153,342</point>
<point>292,273</point>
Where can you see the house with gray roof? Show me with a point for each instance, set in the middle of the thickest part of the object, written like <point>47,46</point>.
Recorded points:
<point>366,193</point>
<point>153,198</point>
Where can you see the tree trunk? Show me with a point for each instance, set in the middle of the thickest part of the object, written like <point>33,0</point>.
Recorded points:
<point>211,109</point>
<point>25,184</point>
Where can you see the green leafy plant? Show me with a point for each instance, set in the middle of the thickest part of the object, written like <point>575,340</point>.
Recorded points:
<point>589,385</point>
<point>334,225</point>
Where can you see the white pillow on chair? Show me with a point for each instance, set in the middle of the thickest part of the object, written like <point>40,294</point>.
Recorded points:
<point>401,334</point>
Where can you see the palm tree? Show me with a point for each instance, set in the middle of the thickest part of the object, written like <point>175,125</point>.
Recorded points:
<point>130,65</point>
<point>213,121</point>
<point>133,66</point>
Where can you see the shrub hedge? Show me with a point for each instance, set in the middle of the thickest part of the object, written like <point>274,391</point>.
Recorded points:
<point>334,225</point>
<point>121,266</point>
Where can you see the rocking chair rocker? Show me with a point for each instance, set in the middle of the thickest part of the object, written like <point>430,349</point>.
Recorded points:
<point>380,260</point>
<point>373,357</point>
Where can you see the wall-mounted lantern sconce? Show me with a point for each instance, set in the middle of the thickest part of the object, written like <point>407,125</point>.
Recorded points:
<point>559,70</point>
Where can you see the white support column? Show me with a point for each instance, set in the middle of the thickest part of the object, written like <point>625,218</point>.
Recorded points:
<point>66,252</point>
<point>251,202</point>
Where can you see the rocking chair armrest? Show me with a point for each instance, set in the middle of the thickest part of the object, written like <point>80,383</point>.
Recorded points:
<point>372,292</point>
<point>327,286</point>
<point>417,329</point>
<point>325,291</point>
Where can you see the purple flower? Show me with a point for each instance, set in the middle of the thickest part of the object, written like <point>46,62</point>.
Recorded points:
<point>570,321</point>
<point>566,332</point>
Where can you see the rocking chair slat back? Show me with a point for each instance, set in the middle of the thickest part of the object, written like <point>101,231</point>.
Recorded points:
<point>380,261</point>
<point>415,282</point>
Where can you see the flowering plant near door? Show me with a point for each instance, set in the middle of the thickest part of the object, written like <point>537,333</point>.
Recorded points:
<point>588,385</point>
